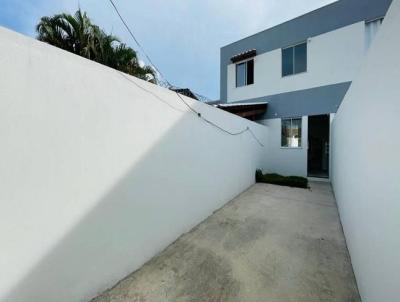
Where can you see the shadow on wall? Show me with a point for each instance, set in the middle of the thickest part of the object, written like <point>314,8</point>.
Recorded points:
<point>174,186</point>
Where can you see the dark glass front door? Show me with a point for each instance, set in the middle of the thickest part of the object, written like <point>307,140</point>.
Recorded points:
<point>318,146</point>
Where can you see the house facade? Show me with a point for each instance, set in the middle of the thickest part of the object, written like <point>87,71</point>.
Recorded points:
<point>302,69</point>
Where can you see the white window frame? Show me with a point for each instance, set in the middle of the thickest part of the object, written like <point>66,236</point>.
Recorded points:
<point>300,146</point>
<point>245,73</point>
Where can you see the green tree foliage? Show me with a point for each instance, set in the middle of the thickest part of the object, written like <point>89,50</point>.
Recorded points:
<point>77,34</point>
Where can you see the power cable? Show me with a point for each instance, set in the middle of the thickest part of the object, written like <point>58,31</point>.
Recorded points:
<point>197,113</point>
<point>126,77</point>
<point>247,129</point>
<point>138,44</point>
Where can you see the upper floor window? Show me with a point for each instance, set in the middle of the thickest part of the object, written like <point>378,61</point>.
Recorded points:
<point>245,73</point>
<point>294,59</point>
<point>371,29</point>
<point>291,133</point>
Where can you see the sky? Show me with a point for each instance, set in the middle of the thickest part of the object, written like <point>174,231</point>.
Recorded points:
<point>182,37</point>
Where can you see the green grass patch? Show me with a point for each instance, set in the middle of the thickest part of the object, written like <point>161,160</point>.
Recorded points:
<point>276,179</point>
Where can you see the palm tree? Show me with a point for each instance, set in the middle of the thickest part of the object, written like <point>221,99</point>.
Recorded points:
<point>126,60</point>
<point>77,34</point>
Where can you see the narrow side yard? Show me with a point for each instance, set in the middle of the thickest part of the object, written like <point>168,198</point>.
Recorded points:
<point>271,243</point>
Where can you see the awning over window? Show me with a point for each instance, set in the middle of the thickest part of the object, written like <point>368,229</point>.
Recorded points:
<point>250,111</point>
<point>244,55</point>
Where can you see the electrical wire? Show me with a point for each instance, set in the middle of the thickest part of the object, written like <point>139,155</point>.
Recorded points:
<point>197,113</point>
<point>138,44</point>
<point>191,109</point>
<point>247,129</point>
<point>126,77</point>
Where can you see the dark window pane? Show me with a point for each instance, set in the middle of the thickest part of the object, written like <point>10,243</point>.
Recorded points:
<point>300,58</point>
<point>250,72</point>
<point>296,133</point>
<point>287,61</point>
<point>240,75</point>
<point>285,134</point>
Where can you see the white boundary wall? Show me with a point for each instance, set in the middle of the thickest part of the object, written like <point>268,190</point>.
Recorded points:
<point>97,175</point>
<point>366,165</point>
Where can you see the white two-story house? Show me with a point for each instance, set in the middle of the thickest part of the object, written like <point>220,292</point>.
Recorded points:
<point>301,70</point>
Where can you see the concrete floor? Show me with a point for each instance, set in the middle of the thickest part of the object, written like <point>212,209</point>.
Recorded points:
<point>270,244</point>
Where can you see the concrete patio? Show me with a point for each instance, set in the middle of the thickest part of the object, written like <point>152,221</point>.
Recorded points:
<point>271,243</point>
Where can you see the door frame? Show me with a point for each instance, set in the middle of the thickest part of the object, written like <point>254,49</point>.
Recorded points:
<point>330,119</point>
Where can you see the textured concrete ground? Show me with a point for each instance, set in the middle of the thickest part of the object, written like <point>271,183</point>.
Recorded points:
<point>270,244</point>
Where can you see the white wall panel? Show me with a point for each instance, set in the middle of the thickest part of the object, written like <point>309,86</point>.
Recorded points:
<point>333,58</point>
<point>98,175</point>
<point>285,161</point>
<point>366,166</point>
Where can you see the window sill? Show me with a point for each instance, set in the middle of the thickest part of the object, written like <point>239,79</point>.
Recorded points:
<point>292,148</point>
<point>244,86</point>
<point>293,75</point>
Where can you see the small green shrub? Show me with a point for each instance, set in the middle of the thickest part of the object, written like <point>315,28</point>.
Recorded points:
<point>259,175</point>
<point>276,179</point>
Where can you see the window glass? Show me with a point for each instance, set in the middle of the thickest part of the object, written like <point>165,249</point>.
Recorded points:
<point>295,135</point>
<point>294,59</point>
<point>300,58</point>
<point>240,75</point>
<point>287,61</point>
<point>285,133</point>
<point>245,73</point>
<point>291,133</point>
<point>250,72</point>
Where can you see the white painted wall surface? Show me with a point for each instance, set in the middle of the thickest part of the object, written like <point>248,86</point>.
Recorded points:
<point>333,58</point>
<point>285,161</point>
<point>97,175</point>
<point>331,119</point>
<point>366,165</point>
